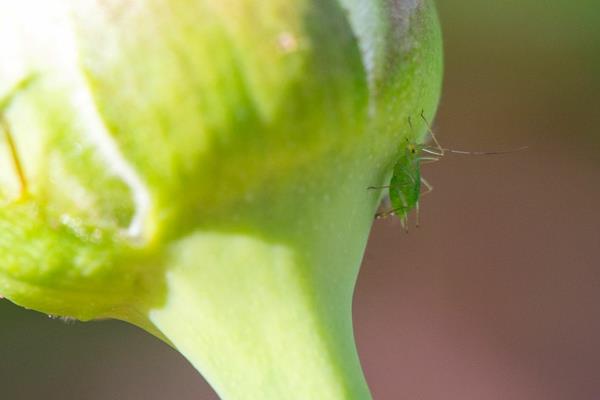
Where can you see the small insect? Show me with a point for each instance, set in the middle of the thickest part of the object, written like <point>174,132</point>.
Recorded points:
<point>5,103</point>
<point>405,185</point>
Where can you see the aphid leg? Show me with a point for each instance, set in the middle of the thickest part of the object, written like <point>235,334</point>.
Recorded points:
<point>417,222</point>
<point>385,214</point>
<point>427,185</point>
<point>15,156</point>
<point>428,160</point>
<point>439,148</point>
<point>429,188</point>
<point>389,213</point>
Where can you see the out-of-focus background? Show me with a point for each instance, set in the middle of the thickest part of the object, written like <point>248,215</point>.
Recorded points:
<point>495,296</point>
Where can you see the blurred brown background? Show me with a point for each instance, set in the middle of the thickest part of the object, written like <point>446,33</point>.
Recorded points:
<point>495,296</point>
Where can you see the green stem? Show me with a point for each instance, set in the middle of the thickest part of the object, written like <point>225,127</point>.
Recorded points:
<point>260,335</point>
<point>266,314</point>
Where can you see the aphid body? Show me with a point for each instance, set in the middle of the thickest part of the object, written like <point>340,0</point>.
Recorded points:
<point>405,185</point>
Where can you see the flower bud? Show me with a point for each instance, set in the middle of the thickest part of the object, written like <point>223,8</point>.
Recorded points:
<point>200,168</point>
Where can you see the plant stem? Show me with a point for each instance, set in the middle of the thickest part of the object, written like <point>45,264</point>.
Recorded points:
<point>264,318</point>
<point>261,335</point>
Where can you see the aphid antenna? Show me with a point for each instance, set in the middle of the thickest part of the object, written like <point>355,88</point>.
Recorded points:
<point>486,153</point>
<point>440,151</point>
<point>433,137</point>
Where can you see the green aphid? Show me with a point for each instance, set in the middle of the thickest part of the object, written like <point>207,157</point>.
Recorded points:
<point>404,189</point>
<point>405,185</point>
